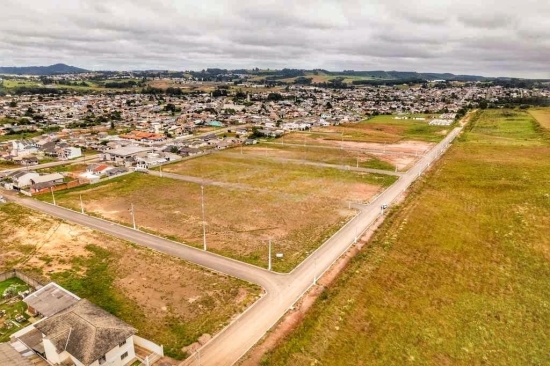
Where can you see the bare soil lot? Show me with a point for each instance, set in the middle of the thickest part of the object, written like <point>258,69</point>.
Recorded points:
<point>401,154</point>
<point>239,222</point>
<point>168,300</point>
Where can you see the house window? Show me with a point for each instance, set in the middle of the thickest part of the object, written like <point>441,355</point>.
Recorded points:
<point>124,355</point>
<point>122,343</point>
<point>102,360</point>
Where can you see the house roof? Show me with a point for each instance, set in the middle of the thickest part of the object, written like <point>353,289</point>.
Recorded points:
<point>85,331</point>
<point>47,178</point>
<point>9,356</point>
<point>128,150</point>
<point>51,299</point>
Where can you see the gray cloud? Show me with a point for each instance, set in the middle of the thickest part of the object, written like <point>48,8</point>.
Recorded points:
<point>485,37</point>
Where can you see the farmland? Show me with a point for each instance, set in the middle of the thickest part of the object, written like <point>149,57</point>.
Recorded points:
<point>168,300</point>
<point>458,274</point>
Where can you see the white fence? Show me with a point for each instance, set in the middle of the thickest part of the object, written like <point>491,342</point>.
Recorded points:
<point>141,342</point>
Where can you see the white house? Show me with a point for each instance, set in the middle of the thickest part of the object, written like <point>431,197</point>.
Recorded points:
<point>22,179</point>
<point>69,153</point>
<point>23,148</point>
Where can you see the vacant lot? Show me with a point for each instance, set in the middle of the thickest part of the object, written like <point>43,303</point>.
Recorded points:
<point>402,154</point>
<point>458,275</point>
<point>299,213</point>
<point>326,155</point>
<point>384,129</point>
<point>542,116</point>
<point>270,175</point>
<point>6,165</point>
<point>168,300</point>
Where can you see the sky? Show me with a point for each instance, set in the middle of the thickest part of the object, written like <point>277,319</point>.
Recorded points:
<point>482,37</point>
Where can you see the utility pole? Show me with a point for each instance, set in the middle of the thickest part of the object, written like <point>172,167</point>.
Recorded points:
<point>161,171</point>
<point>53,196</point>
<point>81,205</point>
<point>203,219</point>
<point>269,255</point>
<point>133,216</point>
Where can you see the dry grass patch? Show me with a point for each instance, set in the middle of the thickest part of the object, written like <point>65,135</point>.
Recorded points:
<point>457,275</point>
<point>168,300</point>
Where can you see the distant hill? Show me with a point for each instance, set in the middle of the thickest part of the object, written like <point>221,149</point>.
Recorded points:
<point>42,70</point>
<point>411,75</point>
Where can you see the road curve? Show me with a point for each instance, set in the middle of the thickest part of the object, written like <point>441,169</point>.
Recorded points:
<point>282,291</point>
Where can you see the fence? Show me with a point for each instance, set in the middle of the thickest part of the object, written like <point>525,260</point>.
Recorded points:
<point>144,343</point>
<point>59,187</point>
<point>23,277</point>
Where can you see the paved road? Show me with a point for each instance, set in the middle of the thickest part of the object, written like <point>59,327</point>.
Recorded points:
<point>87,159</point>
<point>281,290</point>
<point>319,164</point>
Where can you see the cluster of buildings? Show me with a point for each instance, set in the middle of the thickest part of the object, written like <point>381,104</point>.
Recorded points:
<point>63,127</point>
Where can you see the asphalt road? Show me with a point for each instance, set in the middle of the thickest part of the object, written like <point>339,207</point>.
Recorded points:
<point>282,291</point>
<point>89,159</point>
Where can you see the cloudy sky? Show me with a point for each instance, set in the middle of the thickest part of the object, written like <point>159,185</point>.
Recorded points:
<point>487,37</point>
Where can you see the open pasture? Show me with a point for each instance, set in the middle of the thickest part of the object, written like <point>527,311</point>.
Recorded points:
<point>458,275</point>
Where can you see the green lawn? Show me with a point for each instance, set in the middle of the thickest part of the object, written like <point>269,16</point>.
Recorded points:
<point>20,136</point>
<point>13,306</point>
<point>458,275</point>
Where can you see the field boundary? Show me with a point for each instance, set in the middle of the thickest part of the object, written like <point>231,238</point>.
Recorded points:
<point>15,273</point>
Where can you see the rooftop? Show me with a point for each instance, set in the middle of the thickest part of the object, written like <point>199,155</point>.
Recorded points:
<point>128,150</point>
<point>85,331</point>
<point>9,356</point>
<point>51,299</point>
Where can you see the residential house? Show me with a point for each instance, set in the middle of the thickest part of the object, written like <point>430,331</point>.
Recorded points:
<point>69,153</point>
<point>22,179</point>
<point>73,331</point>
<point>125,155</point>
<point>46,181</point>
<point>23,148</point>
<point>86,335</point>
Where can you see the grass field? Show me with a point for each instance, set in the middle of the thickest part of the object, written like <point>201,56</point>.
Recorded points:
<point>6,165</point>
<point>20,136</point>
<point>542,116</point>
<point>169,301</point>
<point>297,208</point>
<point>458,275</point>
<point>266,173</point>
<point>322,155</point>
<point>389,130</point>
